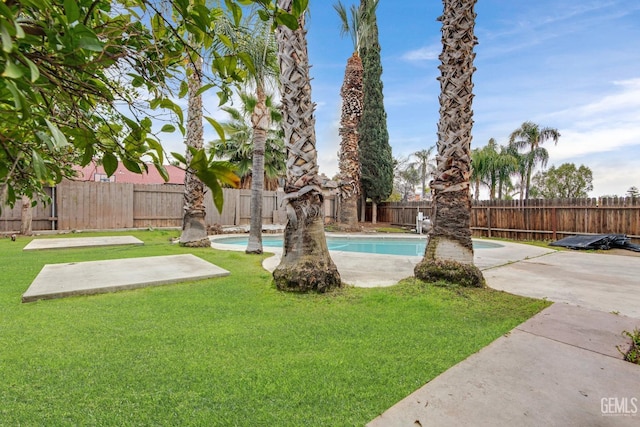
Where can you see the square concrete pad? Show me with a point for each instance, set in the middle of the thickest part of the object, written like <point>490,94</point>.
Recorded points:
<point>81,242</point>
<point>95,277</point>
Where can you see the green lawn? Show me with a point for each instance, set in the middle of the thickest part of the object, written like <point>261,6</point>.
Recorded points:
<point>227,351</point>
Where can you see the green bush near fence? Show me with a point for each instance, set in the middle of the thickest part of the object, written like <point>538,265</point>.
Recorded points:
<point>228,351</point>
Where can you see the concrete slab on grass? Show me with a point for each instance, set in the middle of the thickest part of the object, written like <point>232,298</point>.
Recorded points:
<point>95,277</point>
<point>555,369</point>
<point>81,242</point>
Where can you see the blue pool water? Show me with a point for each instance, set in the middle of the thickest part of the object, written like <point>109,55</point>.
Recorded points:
<point>369,245</point>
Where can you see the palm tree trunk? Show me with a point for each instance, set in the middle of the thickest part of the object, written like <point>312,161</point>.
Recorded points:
<point>521,185</point>
<point>306,264</point>
<point>492,190</point>
<point>260,120</point>
<point>477,189</point>
<point>423,171</point>
<point>26,217</point>
<point>529,168</point>
<point>449,252</point>
<point>194,228</point>
<point>349,163</point>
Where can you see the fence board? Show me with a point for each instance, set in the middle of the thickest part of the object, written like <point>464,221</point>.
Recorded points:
<point>535,219</point>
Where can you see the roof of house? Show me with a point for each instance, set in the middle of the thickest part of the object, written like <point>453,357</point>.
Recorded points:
<point>96,173</point>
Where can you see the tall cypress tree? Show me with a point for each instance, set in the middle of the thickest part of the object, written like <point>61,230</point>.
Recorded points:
<point>376,159</point>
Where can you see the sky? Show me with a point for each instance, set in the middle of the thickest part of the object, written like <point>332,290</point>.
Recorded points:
<point>572,65</point>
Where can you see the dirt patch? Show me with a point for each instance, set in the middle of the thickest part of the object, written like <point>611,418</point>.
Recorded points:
<point>623,252</point>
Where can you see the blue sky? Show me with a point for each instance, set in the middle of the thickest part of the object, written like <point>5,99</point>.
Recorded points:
<point>573,65</point>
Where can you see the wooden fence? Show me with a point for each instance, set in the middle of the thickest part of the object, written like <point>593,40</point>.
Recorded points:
<point>101,206</point>
<point>42,218</point>
<point>535,219</point>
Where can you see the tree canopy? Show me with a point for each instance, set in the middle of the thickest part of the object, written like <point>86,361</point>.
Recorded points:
<point>633,192</point>
<point>564,182</point>
<point>492,165</point>
<point>79,80</point>
<point>237,147</point>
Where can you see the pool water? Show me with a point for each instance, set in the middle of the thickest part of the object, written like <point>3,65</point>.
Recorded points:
<point>369,245</point>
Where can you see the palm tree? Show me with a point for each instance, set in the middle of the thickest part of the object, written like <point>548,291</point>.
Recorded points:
<point>478,171</point>
<point>194,228</point>
<point>198,167</point>
<point>449,252</point>
<point>492,166</point>
<point>426,167</point>
<point>352,97</point>
<point>257,43</point>
<point>530,136</point>
<point>262,49</point>
<point>306,264</point>
<point>237,147</point>
<point>510,166</point>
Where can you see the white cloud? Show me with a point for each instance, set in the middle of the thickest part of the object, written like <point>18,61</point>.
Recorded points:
<point>603,125</point>
<point>614,179</point>
<point>426,53</point>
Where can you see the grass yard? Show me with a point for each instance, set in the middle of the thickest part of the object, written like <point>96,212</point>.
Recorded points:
<point>229,351</point>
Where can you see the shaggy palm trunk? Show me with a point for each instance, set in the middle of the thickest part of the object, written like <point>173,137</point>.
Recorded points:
<point>349,163</point>
<point>260,122</point>
<point>449,252</point>
<point>306,264</point>
<point>194,229</point>
<point>26,217</point>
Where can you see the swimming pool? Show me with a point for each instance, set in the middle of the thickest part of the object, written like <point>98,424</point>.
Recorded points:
<point>406,246</point>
